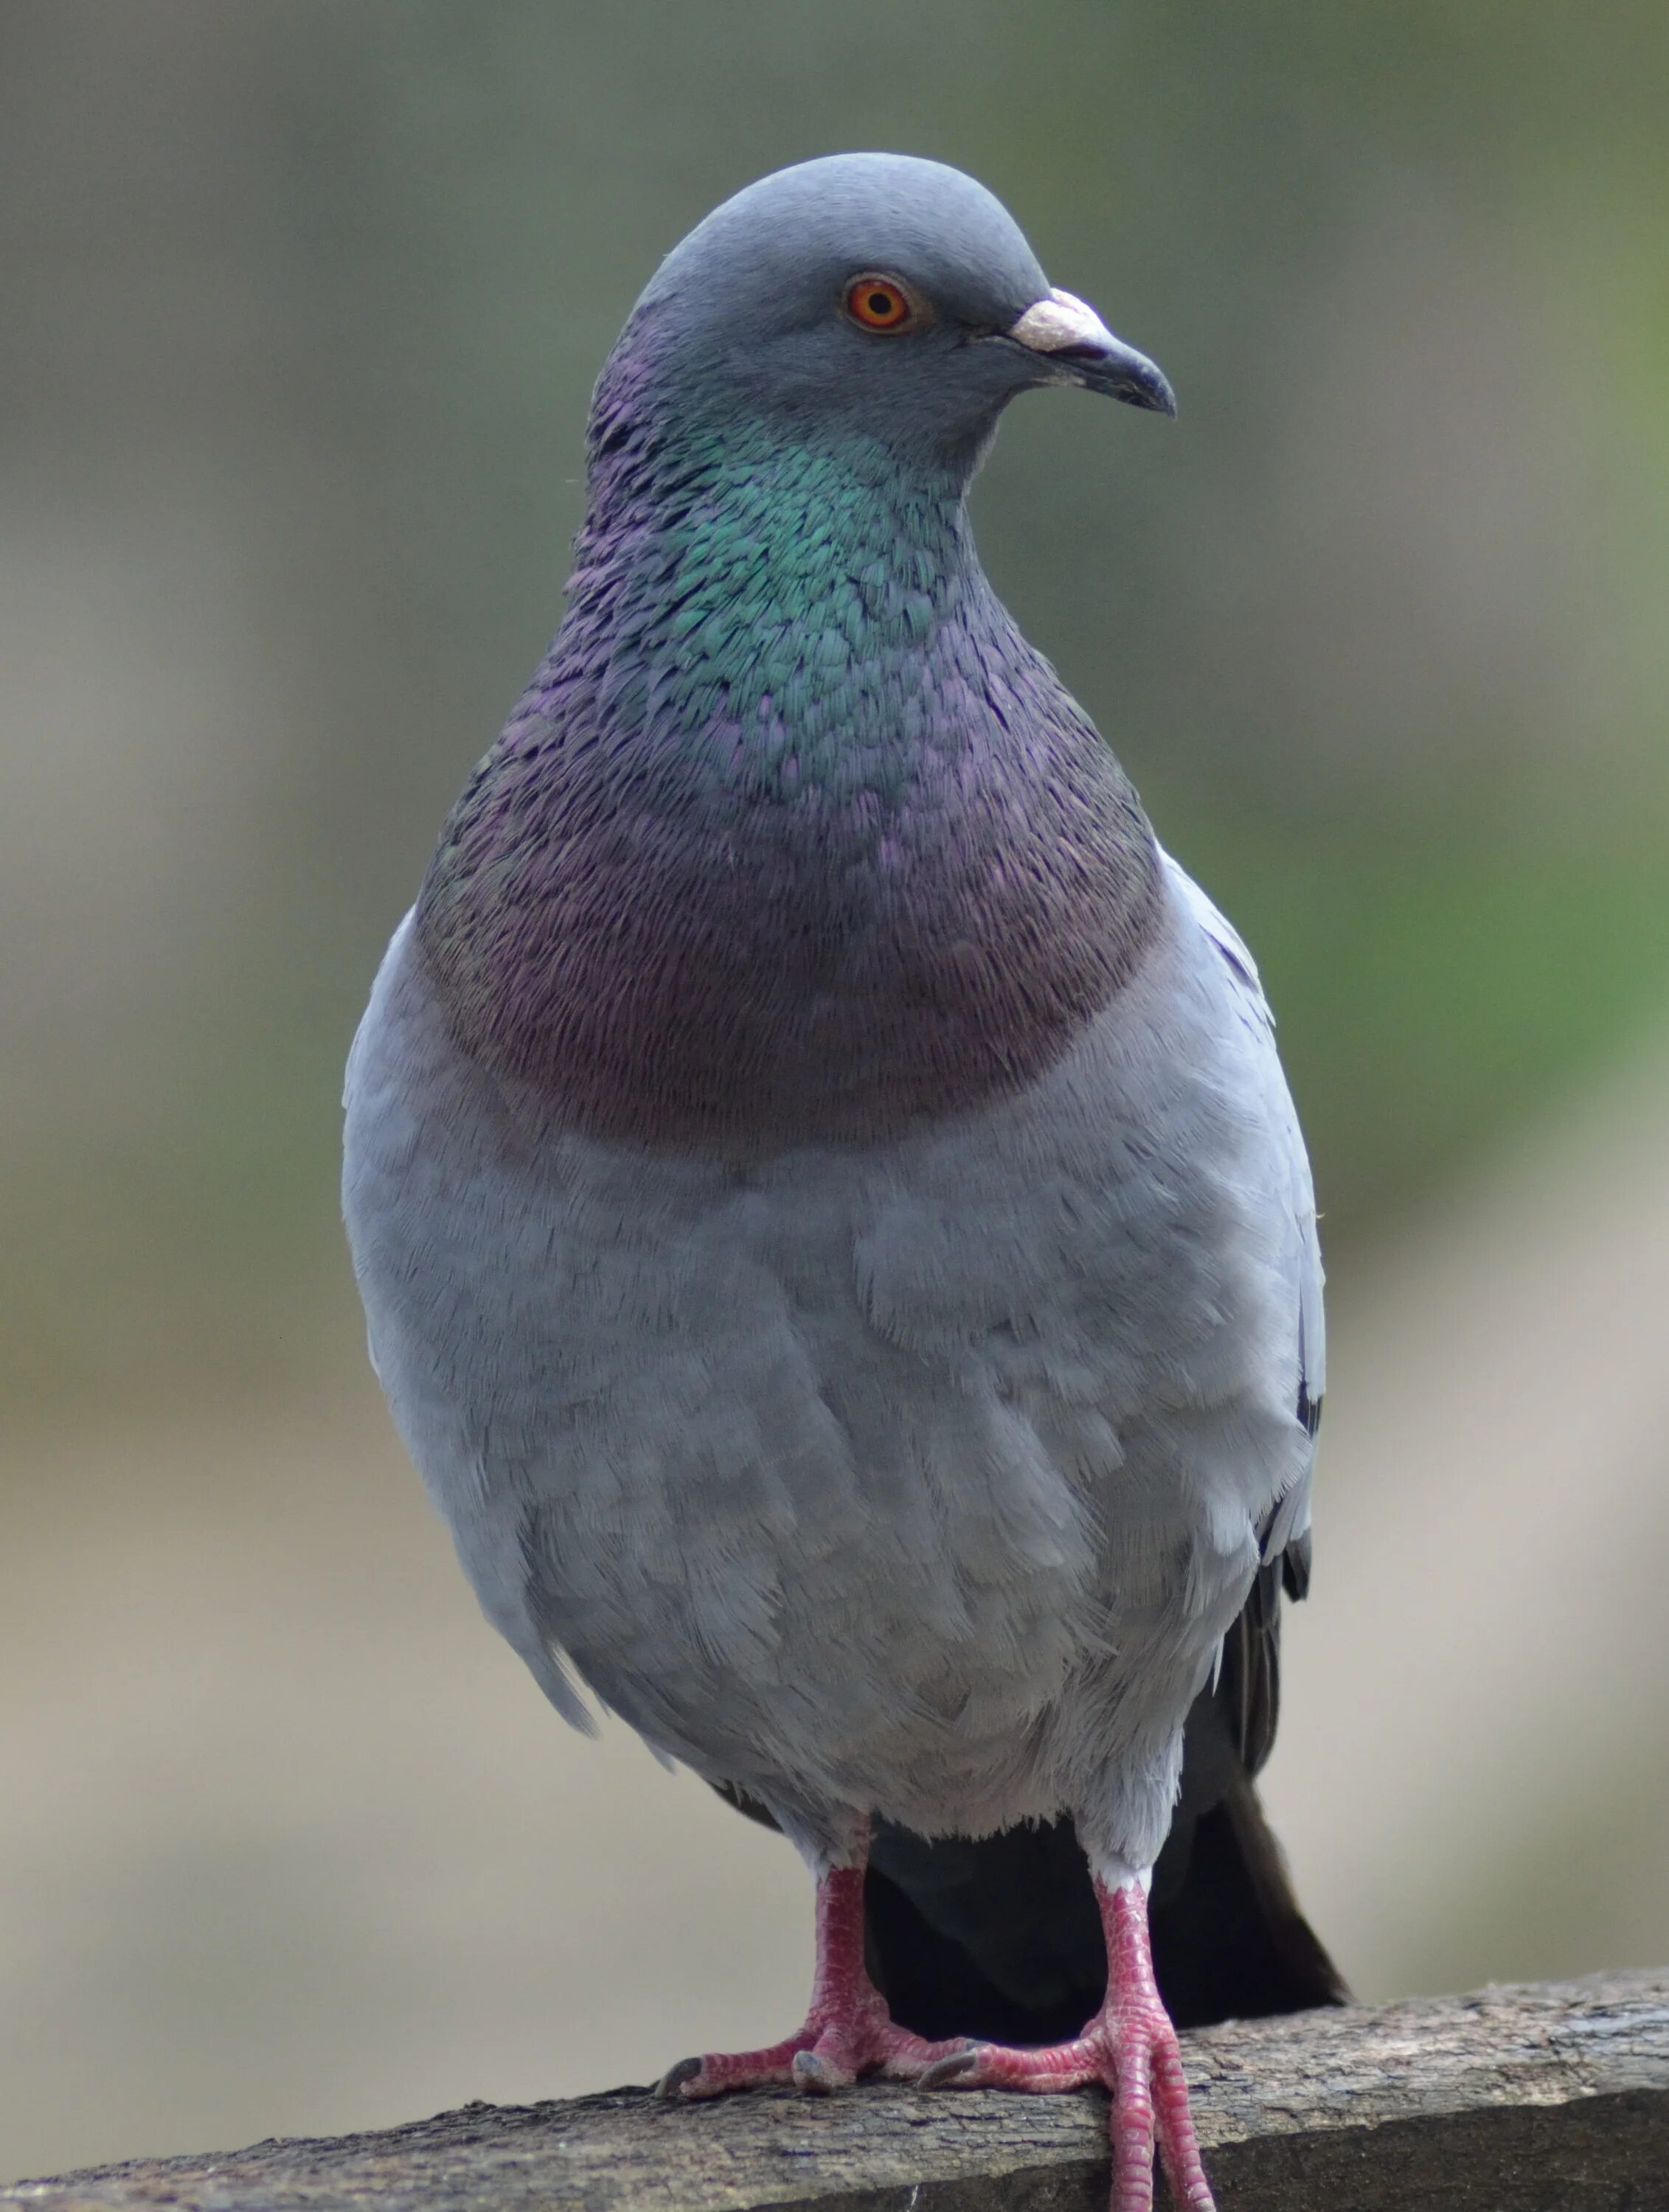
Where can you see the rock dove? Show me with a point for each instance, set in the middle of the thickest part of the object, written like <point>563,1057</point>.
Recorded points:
<point>833,1231</point>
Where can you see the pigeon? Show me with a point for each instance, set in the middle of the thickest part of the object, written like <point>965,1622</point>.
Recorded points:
<point>832,1228</point>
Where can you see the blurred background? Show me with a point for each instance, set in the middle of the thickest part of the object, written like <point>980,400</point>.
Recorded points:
<point>303,300</point>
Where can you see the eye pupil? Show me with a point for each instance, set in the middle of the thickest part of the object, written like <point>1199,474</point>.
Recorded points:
<point>878,304</point>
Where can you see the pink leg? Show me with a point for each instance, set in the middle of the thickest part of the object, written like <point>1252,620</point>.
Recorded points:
<point>848,2030</point>
<point>1130,2047</point>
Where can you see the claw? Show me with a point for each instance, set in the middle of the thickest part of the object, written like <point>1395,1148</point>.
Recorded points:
<point>944,2071</point>
<point>818,2076</point>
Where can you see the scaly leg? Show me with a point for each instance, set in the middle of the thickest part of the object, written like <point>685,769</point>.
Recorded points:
<point>1130,2047</point>
<point>848,2030</point>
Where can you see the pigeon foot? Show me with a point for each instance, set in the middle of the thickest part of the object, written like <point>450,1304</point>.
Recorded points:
<point>1130,2048</point>
<point>847,2031</point>
<point>825,2055</point>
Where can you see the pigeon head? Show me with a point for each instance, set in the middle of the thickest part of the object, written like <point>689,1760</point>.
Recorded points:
<point>873,294</point>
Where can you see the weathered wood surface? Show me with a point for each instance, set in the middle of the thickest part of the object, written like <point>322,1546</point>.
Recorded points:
<point>1553,2099</point>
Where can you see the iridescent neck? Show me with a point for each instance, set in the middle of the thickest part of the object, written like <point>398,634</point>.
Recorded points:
<point>737,588</point>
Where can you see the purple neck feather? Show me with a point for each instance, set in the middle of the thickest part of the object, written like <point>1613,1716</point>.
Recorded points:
<point>794,838</point>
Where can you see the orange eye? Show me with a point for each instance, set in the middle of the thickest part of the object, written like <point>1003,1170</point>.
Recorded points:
<point>880,303</point>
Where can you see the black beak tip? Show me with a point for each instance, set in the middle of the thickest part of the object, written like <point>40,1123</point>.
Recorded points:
<point>1139,384</point>
<point>1123,374</point>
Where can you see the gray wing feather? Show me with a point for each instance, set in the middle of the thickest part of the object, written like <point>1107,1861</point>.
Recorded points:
<point>1288,1529</point>
<point>1245,1694</point>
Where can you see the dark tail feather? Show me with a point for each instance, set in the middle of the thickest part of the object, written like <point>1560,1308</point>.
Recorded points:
<point>1000,1939</point>
<point>1229,1940</point>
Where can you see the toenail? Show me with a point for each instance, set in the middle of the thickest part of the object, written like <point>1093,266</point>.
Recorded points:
<point>675,2077</point>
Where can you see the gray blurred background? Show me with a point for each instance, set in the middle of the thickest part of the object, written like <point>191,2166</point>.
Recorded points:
<point>302,305</point>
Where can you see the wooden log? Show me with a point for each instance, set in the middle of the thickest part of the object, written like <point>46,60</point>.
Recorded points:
<point>1551,2099</point>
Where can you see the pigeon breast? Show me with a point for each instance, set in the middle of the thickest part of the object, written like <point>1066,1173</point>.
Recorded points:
<point>792,838</point>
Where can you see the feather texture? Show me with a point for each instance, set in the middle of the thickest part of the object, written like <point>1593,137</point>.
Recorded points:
<point>926,1477</point>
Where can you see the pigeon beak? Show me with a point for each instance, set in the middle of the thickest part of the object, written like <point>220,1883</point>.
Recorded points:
<point>1066,330</point>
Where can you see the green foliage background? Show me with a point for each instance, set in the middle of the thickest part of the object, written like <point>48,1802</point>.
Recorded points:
<point>305,299</point>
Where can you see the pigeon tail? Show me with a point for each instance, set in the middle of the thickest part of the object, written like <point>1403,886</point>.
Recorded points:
<point>1230,1940</point>
<point>1000,1939</point>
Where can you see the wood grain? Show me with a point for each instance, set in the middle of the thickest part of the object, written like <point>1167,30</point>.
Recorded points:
<point>1550,2098</point>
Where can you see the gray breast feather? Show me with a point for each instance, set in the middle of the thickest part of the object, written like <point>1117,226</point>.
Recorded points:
<point>925,1478</point>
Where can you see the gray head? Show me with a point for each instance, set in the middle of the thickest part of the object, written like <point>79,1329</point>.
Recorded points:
<point>877,294</point>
